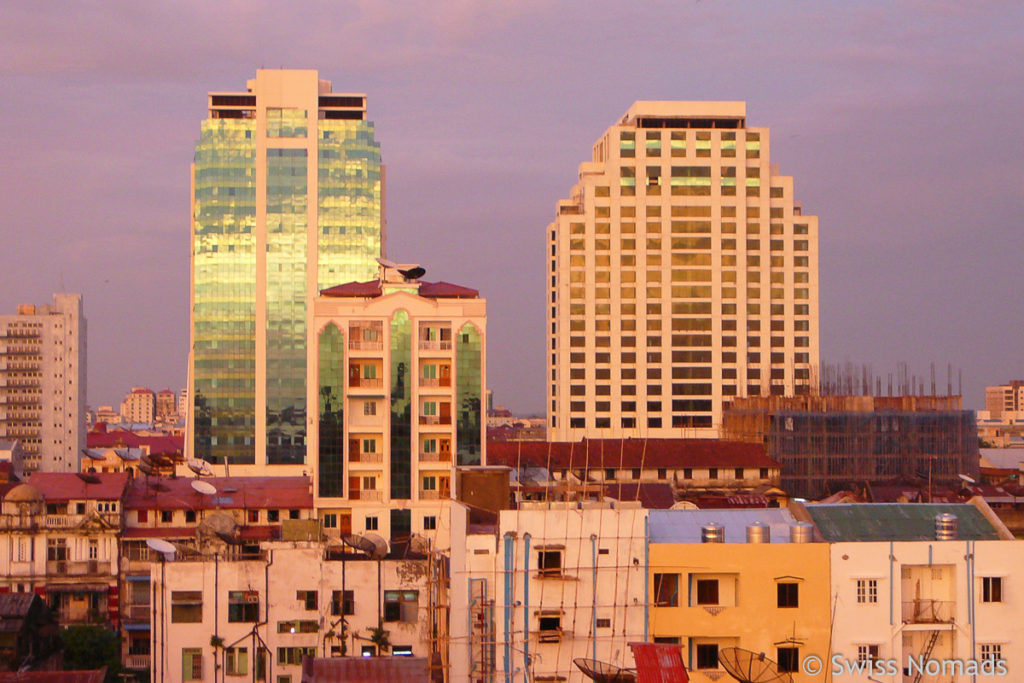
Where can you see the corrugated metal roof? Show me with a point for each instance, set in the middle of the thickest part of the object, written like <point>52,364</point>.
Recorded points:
<point>629,454</point>
<point>147,493</point>
<point>365,669</point>
<point>97,676</point>
<point>684,526</point>
<point>896,521</point>
<point>65,486</point>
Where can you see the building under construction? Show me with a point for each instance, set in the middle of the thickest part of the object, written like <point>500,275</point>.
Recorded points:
<point>830,443</point>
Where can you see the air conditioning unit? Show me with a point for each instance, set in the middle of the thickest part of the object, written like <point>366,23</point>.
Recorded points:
<point>252,597</point>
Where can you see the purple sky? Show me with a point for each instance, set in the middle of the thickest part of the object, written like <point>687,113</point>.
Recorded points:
<point>898,122</point>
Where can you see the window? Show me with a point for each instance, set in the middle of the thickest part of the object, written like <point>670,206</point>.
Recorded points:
<point>788,659</point>
<point>253,516</point>
<point>371,523</point>
<point>991,652</point>
<point>707,656</point>
<point>300,626</point>
<point>369,408</point>
<point>707,592</point>
<point>867,591</point>
<point>666,590</point>
<point>166,516</point>
<point>243,606</point>
<point>190,516</point>
<point>308,599</point>
<point>331,520</point>
<point>401,650</point>
<point>867,653</point>
<point>401,606</point>
<point>294,655</point>
<point>992,589</point>
<point>789,595</point>
<point>604,623</point>
<point>429,522</point>
<point>273,515</point>
<point>550,627</point>
<point>94,550</point>
<point>738,473</point>
<point>343,603</point>
<point>549,562</point>
<point>192,664</point>
<point>186,607</point>
<point>236,661</point>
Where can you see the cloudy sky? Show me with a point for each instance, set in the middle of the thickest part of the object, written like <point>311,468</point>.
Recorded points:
<point>896,119</point>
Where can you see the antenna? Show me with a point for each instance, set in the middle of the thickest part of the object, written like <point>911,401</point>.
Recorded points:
<point>751,667</point>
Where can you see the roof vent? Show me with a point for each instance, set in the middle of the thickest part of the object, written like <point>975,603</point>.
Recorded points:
<point>759,532</point>
<point>712,533</point>
<point>801,532</point>
<point>946,527</point>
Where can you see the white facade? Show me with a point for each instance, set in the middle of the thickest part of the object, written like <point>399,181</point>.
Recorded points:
<point>139,406</point>
<point>682,274</point>
<point>551,583</point>
<point>42,382</point>
<point>893,599</point>
<point>290,601</point>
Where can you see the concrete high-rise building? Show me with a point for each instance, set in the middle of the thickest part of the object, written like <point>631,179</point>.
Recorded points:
<point>166,408</point>
<point>398,374</point>
<point>286,200</point>
<point>139,406</point>
<point>1002,400</point>
<point>42,382</point>
<point>682,274</point>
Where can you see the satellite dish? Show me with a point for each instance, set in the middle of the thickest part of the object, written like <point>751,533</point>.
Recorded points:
<point>371,544</point>
<point>751,667</point>
<point>965,478</point>
<point>200,467</point>
<point>419,545</point>
<point>228,538</point>
<point>203,487</point>
<point>386,263</point>
<point>88,478</point>
<point>146,468</point>
<point>414,273</point>
<point>218,524</point>
<point>160,545</point>
<point>602,672</point>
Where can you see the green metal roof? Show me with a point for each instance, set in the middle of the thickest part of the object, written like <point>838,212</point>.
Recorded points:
<point>896,521</point>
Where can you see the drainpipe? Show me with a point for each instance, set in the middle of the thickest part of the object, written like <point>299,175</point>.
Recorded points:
<point>509,558</point>
<point>526,607</point>
<point>593,611</point>
<point>971,548</point>
<point>892,589</point>
<point>647,580</point>
<point>266,592</point>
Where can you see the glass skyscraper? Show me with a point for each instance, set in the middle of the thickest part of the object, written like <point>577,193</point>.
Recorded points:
<point>286,201</point>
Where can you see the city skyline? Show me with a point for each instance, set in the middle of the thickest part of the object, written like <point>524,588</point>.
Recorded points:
<point>888,117</point>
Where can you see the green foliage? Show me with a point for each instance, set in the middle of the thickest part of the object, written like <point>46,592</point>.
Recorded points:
<point>379,637</point>
<point>91,647</point>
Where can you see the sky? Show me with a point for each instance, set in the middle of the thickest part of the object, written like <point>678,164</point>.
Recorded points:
<point>896,120</point>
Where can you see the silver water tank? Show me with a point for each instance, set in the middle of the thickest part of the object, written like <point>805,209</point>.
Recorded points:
<point>946,527</point>
<point>759,532</point>
<point>712,533</point>
<point>801,532</point>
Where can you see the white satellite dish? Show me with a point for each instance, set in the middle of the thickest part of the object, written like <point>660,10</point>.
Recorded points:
<point>386,263</point>
<point>200,467</point>
<point>160,545</point>
<point>969,480</point>
<point>203,487</point>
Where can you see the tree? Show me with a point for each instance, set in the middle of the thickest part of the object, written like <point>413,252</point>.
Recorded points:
<point>91,647</point>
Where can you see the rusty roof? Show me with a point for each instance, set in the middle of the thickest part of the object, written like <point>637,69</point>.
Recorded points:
<point>62,487</point>
<point>365,669</point>
<point>165,493</point>
<point>629,454</point>
<point>97,676</point>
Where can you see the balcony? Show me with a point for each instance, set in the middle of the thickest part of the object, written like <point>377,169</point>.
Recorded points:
<point>435,457</point>
<point>366,383</point>
<point>435,419</point>
<point>365,345</point>
<point>137,662</point>
<point>366,495</point>
<point>30,521</point>
<point>137,613</point>
<point>84,568</point>
<point>927,611</point>
<point>357,457</point>
<point>435,344</point>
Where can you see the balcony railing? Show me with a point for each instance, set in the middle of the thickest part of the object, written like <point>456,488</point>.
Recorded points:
<point>435,457</point>
<point>366,383</point>
<point>366,345</point>
<point>435,419</point>
<point>136,662</point>
<point>52,521</point>
<point>82,568</point>
<point>137,612</point>
<point>927,611</point>
<point>365,457</point>
<point>366,495</point>
<point>435,344</point>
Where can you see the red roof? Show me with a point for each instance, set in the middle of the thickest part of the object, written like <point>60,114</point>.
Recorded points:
<point>365,669</point>
<point>97,676</point>
<point>60,487</point>
<point>251,493</point>
<point>430,290</point>
<point>122,437</point>
<point>652,496</point>
<point>628,454</point>
<point>246,533</point>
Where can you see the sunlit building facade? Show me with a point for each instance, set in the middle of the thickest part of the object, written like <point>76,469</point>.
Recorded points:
<point>682,274</point>
<point>399,379</point>
<point>286,200</point>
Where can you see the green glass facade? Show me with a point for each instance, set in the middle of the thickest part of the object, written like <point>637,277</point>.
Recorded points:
<point>342,186</point>
<point>332,402</point>
<point>401,406</point>
<point>467,396</point>
<point>224,282</point>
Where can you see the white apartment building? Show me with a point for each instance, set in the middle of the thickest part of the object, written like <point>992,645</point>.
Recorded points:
<point>398,375</point>
<point>549,583</point>
<point>42,382</point>
<point>139,406</point>
<point>266,612</point>
<point>682,273</point>
<point>900,592</point>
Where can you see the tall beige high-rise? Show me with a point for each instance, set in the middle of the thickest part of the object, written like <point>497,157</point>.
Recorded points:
<point>682,274</point>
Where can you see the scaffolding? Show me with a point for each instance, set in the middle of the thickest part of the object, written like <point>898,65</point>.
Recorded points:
<point>831,443</point>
